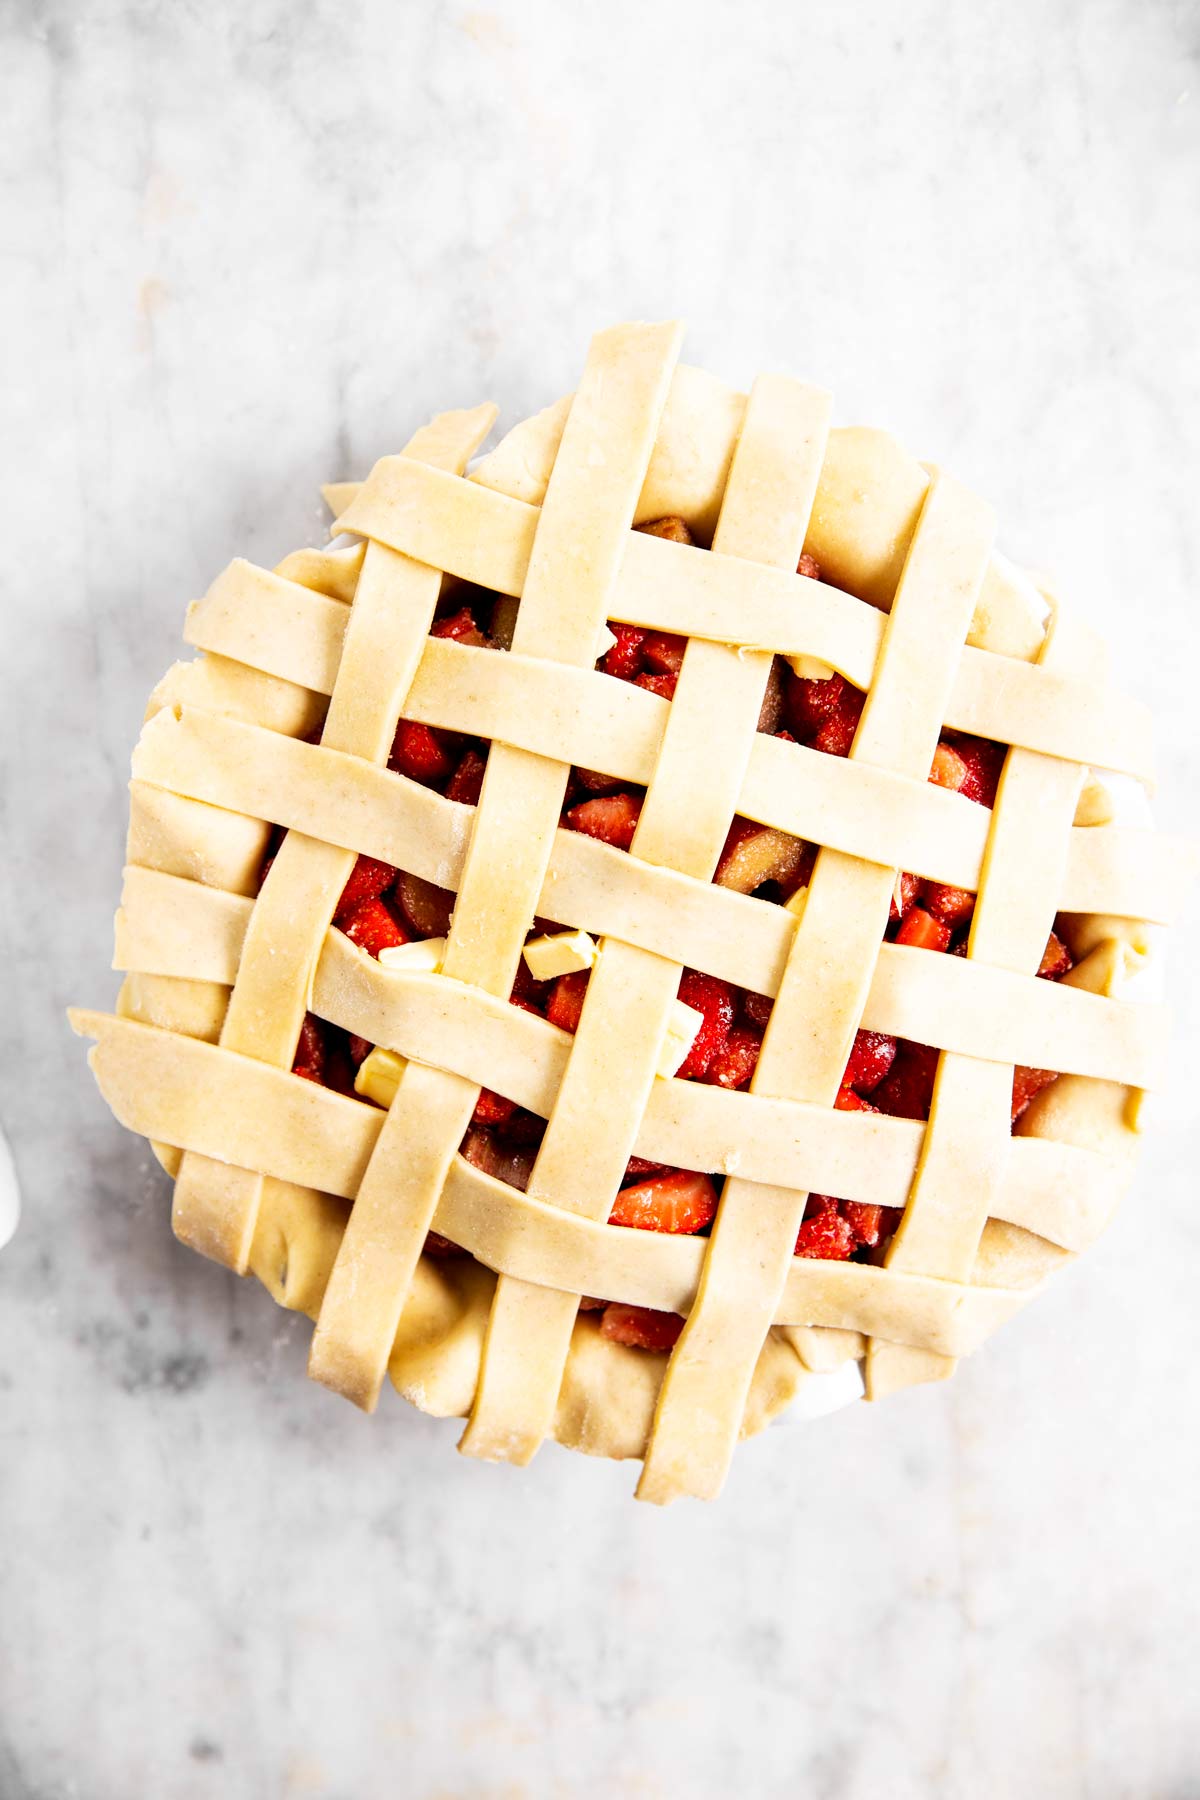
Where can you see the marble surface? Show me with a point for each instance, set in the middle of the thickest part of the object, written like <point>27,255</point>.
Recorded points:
<point>248,245</point>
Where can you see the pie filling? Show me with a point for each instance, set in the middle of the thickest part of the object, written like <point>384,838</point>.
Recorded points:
<point>382,908</point>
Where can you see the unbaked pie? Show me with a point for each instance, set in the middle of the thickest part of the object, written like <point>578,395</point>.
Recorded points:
<point>640,925</point>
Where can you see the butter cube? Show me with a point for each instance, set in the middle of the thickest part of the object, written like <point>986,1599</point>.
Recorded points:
<point>682,1026</point>
<point>424,958</point>
<point>563,954</point>
<point>810,668</point>
<point>379,1076</point>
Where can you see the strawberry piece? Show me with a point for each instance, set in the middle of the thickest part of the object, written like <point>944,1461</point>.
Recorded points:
<point>662,685</point>
<point>948,769</point>
<point>901,905</point>
<point>461,626</point>
<point>1026,1084</point>
<point>369,878</point>
<point>837,733</point>
<point>374,927</point>
<point>637,1166</point>
<point>624,658</point>
<point>870,1060</point>
<point>492,1108</point>
<point>682,1202</point>
<point>466,783</point>
<point>870,1224</point>
<point>360,1048</point>
<point>735,1062</point>
<point>662,652</point>
<point>983,762</point>
<point>810,703</point>
<point>641,1327</point>
<point>1056,959</point>
<point>907,1091</point>
<point>922,931</point>
<point>565,1005</point>
<point>420,753</point>
<point>309,1059</point>
<point>824,1232</point>
<point>610,817</point>
<point>848,1101</point>
<point>954,906</point>
<point>757,1008</point>
<point>714,999</point>
<point>808,565</point>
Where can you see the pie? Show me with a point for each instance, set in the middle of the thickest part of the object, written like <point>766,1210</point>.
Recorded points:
<point>641,922</point>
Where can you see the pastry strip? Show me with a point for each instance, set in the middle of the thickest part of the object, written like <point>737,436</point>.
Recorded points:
<point>818,1009</point>
<point>569,572</point>
<point>215,1210</point>
<point>684,820</point>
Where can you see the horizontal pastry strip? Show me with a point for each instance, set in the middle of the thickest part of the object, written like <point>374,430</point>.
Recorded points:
<point>199,1097</point>
<point>951,1002</point>
<point>583,717</point>
<point>1063,1193</point>
<point>485,537</point>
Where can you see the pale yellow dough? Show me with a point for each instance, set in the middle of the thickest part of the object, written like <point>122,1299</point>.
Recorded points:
<point>287,717</point>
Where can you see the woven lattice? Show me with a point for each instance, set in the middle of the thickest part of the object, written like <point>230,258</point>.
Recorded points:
<point>229,754</point>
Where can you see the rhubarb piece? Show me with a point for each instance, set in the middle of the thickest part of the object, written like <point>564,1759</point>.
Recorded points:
<point>809,566</point>
<point>565,1005</point>
<point>948,769</point>
<point>1056,959</point>
<point>903,896</point>
<point>437,1245</point>
<point>369,878</point>
<point>466,783</point>
<point>714,999</point>
<point>672,527</point>
<point>754,854</point>
<point>682,1202</point>
<point>427,908</point>
<point>983,762</point>
<point>641,1327</point>
<point>492,1108</point>
<point>921,931</point>
<point>610,817</point>
<point>757,1008</point>
<point>309,1059</point>
<point>637,1166</point>
<point>662,652</point>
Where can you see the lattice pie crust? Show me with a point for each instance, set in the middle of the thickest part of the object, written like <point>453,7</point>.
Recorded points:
<point>915,607</point>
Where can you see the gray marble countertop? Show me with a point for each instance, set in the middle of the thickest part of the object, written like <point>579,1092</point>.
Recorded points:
<point>249,246</point>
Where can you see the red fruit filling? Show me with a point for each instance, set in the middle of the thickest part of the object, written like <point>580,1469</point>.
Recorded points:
<point>381,907</point>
